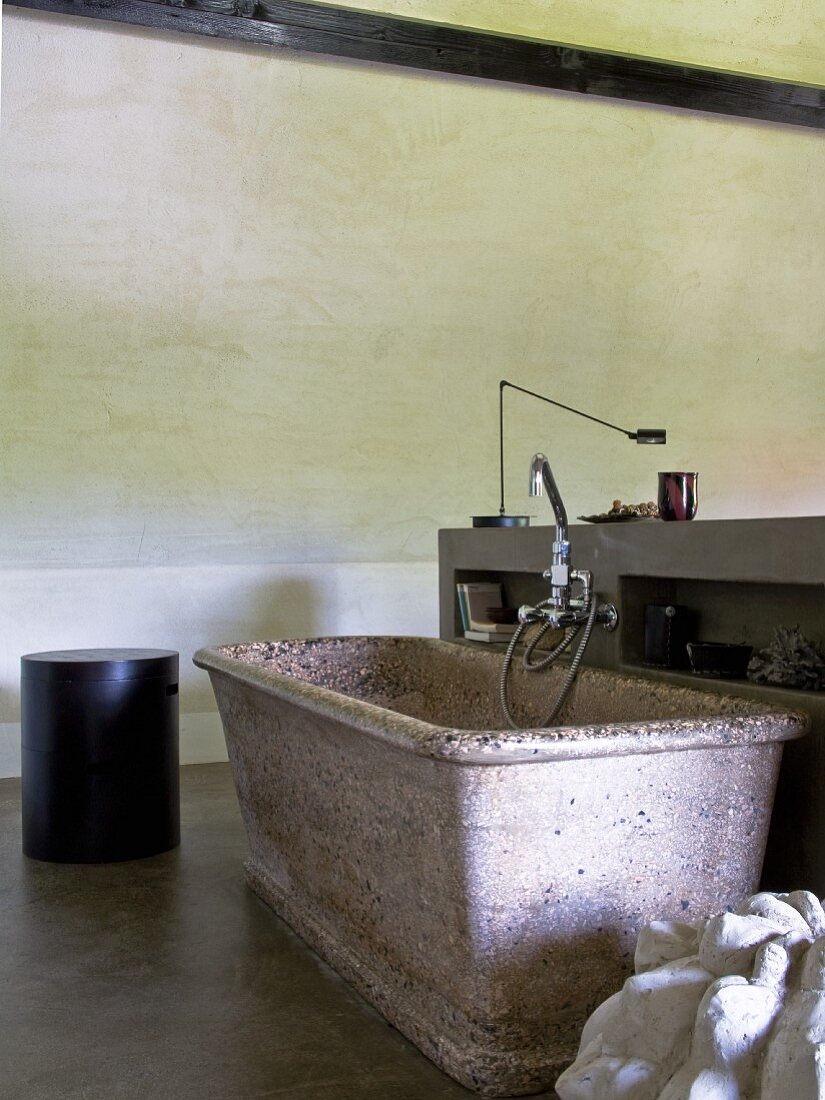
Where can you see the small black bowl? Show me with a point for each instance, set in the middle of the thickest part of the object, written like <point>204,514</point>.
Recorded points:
<point>719,659</point>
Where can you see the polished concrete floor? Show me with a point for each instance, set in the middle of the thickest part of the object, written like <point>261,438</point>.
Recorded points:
<point>166,978</point>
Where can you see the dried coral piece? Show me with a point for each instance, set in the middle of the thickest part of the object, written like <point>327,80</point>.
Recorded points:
<point>789,661</point>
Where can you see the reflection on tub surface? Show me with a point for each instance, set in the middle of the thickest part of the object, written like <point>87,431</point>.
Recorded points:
<point>483,887</point>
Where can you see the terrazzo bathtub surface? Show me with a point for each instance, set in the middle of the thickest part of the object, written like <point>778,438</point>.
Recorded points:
<point>484,887</point>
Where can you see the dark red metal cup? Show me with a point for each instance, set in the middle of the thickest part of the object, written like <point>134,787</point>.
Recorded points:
<point>678,495</point>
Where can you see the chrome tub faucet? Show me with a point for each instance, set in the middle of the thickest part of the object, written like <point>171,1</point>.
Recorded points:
<point>562,609</point>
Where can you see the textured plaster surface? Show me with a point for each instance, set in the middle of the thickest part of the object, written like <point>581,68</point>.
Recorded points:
<point>730,1008</point>
<point>483,900</point>
<point>201,293</point>
<point>218,264</point>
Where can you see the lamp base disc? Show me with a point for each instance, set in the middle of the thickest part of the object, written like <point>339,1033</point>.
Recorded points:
<point>501,521</point>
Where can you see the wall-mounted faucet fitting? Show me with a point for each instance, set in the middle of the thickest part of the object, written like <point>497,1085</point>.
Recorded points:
<point>562,609</point>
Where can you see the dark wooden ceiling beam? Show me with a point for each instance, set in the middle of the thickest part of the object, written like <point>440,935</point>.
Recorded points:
<point>367,36</point>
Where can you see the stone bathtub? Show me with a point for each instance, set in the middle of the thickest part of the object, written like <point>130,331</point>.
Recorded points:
<point>483,887</point>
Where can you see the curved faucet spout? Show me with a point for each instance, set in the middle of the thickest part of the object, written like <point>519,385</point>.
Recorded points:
<point>542,475</point>
<point>562,609</point>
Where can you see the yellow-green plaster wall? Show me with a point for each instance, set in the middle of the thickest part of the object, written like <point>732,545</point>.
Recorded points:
<point>255,307</point>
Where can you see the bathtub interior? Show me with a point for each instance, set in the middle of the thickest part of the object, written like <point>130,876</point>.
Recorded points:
<point>457,686</point>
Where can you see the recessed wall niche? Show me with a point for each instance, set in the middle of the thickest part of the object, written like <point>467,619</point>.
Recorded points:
<point>723,611</point>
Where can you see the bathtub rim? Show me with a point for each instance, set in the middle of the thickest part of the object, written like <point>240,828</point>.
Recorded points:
<point>766,723</point>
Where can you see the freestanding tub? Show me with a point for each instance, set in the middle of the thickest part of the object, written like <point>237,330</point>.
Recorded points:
<point>482,887</point>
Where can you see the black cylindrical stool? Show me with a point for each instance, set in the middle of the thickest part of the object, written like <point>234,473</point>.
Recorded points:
<point>100,754</point>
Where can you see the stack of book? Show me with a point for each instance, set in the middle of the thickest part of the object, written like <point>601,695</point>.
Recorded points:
<point>474,600</point>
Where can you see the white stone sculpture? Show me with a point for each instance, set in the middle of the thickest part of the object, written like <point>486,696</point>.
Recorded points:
<point>731,1008</point>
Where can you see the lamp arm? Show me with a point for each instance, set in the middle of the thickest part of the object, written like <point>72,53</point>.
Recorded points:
<point>504,384</point>
<point>511,385</point>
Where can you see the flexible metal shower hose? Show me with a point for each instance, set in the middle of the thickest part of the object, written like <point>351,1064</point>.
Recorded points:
<point>546,662</point>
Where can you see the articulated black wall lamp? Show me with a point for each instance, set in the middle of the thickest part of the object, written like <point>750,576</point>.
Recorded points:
<point>641,435</point>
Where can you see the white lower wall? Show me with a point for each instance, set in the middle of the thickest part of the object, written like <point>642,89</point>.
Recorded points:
<point>9,749</point>
<point>184,608</point>
<point>201,738</point>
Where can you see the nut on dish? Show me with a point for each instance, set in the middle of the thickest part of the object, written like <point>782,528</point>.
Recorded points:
<point>648,508</point>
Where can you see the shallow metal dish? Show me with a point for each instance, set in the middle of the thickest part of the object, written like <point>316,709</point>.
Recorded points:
<point>614,519</point>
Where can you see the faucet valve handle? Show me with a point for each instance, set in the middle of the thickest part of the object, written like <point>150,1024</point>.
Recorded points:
<point>528,614</point>
<point>558,575</point>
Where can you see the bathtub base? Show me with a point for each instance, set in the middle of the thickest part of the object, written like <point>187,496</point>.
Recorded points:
<point>486,1070</point>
